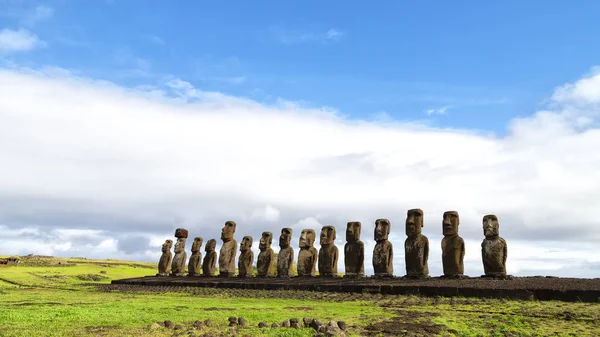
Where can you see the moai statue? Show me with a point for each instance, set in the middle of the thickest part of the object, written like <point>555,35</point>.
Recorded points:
<point>228,250</point>
<point>493,248</point>
<point>178,265</point>
<point>164,264</point>
<point>246,258</point>
<point>328,254</point>
<point>354,251</point>
<point>196,258</point>
<point>416,246</point>
<point>307,257</point>
<point>383,254</point>
<point>286,254</point>
<point>265,257</point>
<point>210,259</point>
<point>453,246</point>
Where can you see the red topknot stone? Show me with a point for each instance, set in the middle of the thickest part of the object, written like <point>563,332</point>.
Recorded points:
<point>181,233</point>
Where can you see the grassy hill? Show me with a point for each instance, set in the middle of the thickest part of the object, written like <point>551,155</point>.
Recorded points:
<point>48,296</point>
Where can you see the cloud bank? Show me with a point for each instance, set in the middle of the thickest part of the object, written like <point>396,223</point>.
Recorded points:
<point>91,168</point>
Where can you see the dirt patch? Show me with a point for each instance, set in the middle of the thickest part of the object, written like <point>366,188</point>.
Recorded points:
<point>100,330</point>
<point>218,309</point>
<point>24,304</point>
<point>405,323</point>
<point>299,308</point>
<point>91,277</point>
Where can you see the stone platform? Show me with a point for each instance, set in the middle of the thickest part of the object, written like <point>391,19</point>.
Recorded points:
<point>537,287</point>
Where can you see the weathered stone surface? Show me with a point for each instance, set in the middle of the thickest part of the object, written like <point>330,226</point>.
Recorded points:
<point>198,324</point>
<point>307,257</point>
<point>275,325</point>
<point>169,324</point>
<point>154,326</point>
<point>208,323</point>
<point>210,259</point>
<point>354,251</point>
<point>328,254</point>
<point>383,253</point>
<point>262,325</point>
<point>453,246</point>
<point>286,254</point>
<point>246,258</point>
<point>164,264</point>
<point>181,233</point>
<point>286,323</point>
<point>493,248</point>
<point>342,325</point>
<point>242,322</point>
<point>416,246</point>
<point>228,250</point>
<point>178,264</point>
<point>266,256</point>
<point>195,261</point>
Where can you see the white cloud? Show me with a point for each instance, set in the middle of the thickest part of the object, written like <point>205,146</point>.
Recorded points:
<point>438,111</point>
<point>291,37</point>
<point>90,155</point>
<point>18,41</point>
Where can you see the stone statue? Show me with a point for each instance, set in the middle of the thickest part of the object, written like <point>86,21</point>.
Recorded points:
<point>210,259</point>
<point>307,257</point>
<point>416,246</point>
<point>228,250</point>
<point>265,257</point>
<point>493,248</point>
<point>164,264</point>
<point>196,258</point>
<point>383,254</point>
<point>246,258</point>
<point>328,254</point>
<point>286,254</point>
<point>354,251</point>
<point>178,265</point>
<point>453,246</point>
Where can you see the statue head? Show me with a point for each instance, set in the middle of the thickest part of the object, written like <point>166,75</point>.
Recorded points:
<point>265,241</point>
<point>210,245</point>
<point>285,237</point>
<point>450,223</point>
<point>490,226</point>
<point>167,246</point>
<point>327,235</point>
<point>227,231</point>
<point>246,243</point>
<point>382,229</point>
<point>353,231</point>
<point>179,246</point>
<point>307,238</point>
<point>197,244</point>
<point>414,222</point>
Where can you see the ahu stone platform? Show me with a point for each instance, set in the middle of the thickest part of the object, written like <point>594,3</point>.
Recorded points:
<point>537,287</point>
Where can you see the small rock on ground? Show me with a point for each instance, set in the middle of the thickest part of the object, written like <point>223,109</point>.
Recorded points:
<point>154,326</point>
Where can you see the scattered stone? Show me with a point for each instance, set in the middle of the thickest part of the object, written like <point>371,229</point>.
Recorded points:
<point>198,324</point>
<point>242,322</point>
<point>262,325</point>
<point>315,324</point>
<point>333,324</point>
<point>274,325</point>
<point>232,319</point>
<point>342,325</point>
<point>286,323</point>
<point>322,329</point>
<point>294,320</point>
<point>208,323</point>
<point>154,326</point>
<point>295,325</point>
<point>334,331</point>
<point>168,324</point>
<point>178,327</point>
<point>306,322</point>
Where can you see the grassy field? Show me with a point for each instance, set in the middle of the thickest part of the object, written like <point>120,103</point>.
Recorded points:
<point>57,297</point>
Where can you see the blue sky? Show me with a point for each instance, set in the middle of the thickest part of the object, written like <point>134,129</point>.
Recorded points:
<point>471,64</point>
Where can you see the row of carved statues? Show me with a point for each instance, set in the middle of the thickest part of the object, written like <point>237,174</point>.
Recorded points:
<point>416,247</point>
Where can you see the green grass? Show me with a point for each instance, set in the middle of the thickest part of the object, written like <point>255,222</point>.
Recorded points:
<point>40,297</point>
